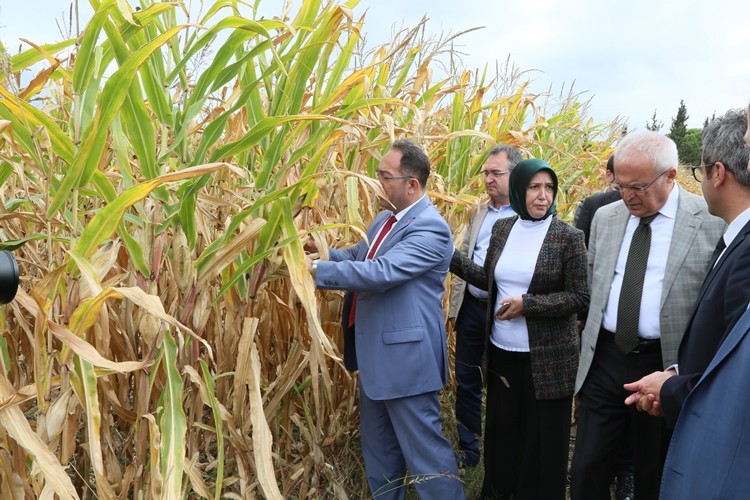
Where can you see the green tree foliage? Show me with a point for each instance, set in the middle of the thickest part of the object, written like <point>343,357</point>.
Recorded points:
<point>690,149</point>
<point>688,141</point>
<point>679,125</point>
<point>654,125</point>
<point>709,120</point>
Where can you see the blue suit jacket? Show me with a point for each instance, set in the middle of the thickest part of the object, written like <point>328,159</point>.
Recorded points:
<point>722,299</point>
<point>400,329</point>
<point>709,455</point>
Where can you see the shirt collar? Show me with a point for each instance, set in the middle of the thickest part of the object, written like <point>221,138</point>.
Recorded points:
<point>737,224</point>
<point>400,215</point>
<point>502,208</point>
<point>670,207</point>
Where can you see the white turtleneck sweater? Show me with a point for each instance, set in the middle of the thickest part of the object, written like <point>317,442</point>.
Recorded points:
<point>513,274</point>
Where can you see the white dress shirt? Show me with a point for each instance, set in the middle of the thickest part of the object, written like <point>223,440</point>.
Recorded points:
<point>662,228</point>
<point>734,229</point>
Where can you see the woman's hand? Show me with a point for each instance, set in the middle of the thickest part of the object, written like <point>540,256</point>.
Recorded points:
<point>513,309</point>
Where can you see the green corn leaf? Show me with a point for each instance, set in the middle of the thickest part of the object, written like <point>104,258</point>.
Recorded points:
<point>216,411</point>
<point>34,117</point>
<point>87,58</point>
<point>30,57</point>
<point>89,398</point>
<point>114,94</point>
<point>260,131</point>
<point>172,423</point>
<point>104,223</point>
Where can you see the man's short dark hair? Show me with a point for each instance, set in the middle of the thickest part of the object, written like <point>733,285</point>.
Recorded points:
<point>723,140</point>
<point>611,164</point>
<point>512,152</point>
<point>414,160</point>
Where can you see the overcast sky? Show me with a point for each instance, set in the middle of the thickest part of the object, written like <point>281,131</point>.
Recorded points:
<point>630,57</point>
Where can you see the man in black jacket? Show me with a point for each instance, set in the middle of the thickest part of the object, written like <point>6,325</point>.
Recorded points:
<point>589,206</point>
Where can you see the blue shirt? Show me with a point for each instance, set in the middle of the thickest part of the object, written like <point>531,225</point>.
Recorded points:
<point>483,240</point>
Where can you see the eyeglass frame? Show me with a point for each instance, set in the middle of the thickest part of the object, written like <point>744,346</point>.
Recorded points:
<point>698,168</point>
<point>383,177</point>
<point>495,173</point>
<point>637,189</point>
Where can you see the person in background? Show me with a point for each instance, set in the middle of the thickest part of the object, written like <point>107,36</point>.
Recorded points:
<point>588,207</point>
<point>648,255</point>
<point>535,272</point>
<point>468,303</point>
<point>725,293</point>
<point>394,331</point>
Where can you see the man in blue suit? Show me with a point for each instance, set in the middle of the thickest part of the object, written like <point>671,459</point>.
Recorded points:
<point>709,455</point>
<point>395,332</point>
<point>725,292</point>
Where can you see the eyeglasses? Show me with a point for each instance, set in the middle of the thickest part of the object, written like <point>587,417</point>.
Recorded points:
<point>494,173</point>
<point>637,189</point>
<point>698,171</point>
<point>384,177</point>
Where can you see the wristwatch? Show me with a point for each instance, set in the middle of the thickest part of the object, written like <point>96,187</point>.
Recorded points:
<point>314,266</point>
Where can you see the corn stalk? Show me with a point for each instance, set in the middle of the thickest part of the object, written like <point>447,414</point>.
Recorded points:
<point>159,173</point>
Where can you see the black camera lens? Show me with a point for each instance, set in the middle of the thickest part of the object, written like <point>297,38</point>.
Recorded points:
<point>8,276</point>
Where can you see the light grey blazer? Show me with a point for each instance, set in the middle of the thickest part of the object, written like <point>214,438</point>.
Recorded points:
<point>693,241</point>
<point>458,287</point>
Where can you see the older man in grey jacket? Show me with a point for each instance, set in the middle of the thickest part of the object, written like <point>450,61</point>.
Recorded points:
<point>648,255</point>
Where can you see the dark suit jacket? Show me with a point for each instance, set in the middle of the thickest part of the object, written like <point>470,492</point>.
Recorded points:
<point>557,292</point>
<point>709,455</point>
<point>722,299</point>
<point>589,206</point>
<point>350,354</point>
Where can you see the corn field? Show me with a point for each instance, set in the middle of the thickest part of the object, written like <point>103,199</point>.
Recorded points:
<point>159,174</point>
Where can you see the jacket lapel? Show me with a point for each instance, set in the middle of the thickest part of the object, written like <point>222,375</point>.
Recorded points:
<point>500,232</point>
<point>394,235</point>
<point>614,232</point>
<point>476,227</point>
<point>724,258</point>
<point>686,226</point>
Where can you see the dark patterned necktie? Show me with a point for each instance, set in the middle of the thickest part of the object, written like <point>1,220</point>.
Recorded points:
<point>629,305</point>
<point>720,246</point>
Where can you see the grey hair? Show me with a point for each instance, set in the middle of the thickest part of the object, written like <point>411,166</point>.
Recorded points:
<point>660,149</point>
<point>512,152</point>
<point>723,141</point>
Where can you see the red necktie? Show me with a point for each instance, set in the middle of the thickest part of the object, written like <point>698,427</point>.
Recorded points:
<point>374,248</point>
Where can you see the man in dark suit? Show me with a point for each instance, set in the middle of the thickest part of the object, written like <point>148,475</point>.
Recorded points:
<point>395,332</point>
<point>725,292</point>
<point>635,321</point>
<point>709,455</point>
<point>588,207</point>
<point>707,460</point>
<point>468,303</point>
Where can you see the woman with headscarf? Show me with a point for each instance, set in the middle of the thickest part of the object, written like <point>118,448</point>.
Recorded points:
<point>535,271</point>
